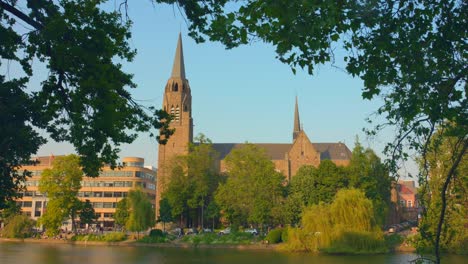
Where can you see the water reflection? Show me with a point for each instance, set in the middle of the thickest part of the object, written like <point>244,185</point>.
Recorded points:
<point>69,254</point>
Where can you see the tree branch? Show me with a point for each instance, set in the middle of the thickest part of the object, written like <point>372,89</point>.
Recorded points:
<point>21,15</point>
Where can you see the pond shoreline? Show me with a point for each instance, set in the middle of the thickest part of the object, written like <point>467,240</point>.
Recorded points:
<point>130,243</point>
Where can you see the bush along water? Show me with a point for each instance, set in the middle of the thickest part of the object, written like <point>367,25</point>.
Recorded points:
<point>234,238</point>
<point>157,236</point>
<point>109,237</point>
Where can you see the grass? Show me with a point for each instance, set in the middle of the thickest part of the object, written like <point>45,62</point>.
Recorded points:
<point>109,237</point>
<point>239,238</point>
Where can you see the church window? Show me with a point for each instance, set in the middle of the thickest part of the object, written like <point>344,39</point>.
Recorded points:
<point>175,88</point>
<point>185,108</point>
<point>172,111</point>
<point>183,87</point>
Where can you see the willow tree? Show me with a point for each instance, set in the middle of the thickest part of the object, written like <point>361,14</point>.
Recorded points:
<point>141,213</point>
<point>347,225</point>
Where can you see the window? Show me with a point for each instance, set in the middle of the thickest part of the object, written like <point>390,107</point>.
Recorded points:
<point>97,205</point>
<point>98,215</point>
<point>107,194</point>
<point>117,194</point>
<point>403,203</point>
<point>97,194</point>
<point>87,194</point>
<point>175,87</point>
<point>38,204</point>
<point>185,108</point>
<point>410,203</point>
<point>108,205</point>
<point>108,215</point>
<point>27,204</point>
<point>37,213</point>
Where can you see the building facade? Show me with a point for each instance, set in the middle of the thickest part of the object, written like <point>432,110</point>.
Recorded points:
<point>104,192</point>
<point>287,157</point>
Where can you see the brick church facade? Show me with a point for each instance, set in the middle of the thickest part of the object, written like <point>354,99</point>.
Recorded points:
<point>287,157</point>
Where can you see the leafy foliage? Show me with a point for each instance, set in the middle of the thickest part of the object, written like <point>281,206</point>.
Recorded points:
<point>87,213</point>
<point>193,180</point>
<point>121,213</point>
<point>84,97</point>
<point>347,225</point>
<point>165,214</point>
<point>142,214</point>
<point>109,237</point>
<point>18,226</point>
<point>274,236</point>
<point>252,189</point>
<point>453,231</point>
<point>61,184</point>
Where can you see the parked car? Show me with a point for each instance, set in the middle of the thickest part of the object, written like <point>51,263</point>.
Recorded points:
<point>207,230</point>
<point>190,231</point>
<point>225,231</point>
<point>252,231</point>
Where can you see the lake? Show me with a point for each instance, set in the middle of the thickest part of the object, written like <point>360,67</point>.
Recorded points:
<point>32,253</point>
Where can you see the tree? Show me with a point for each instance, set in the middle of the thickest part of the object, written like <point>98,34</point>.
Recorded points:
<point>252,188</point>
<point>87,213</point>
<point>121,213</point>
<point>18,226</point>
<point>61,184</point>
<point>368,173</point>
<point>410,53</point>
<point>453,234</point>
<point>165,214</point>
<point>194,180</point>
<point>84,97</point>
<point>142,214</point>
<point>328,227</point>
<point>320,184</point>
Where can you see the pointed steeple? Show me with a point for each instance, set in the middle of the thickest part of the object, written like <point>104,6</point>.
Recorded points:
<point>297,123</point>
<point>178,69</point>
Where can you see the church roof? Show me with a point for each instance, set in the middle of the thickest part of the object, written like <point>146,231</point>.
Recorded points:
<point>277,151</point>
<point>178,69</point>
<point>297,123</point>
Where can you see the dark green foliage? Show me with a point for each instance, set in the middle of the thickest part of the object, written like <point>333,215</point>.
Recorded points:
<point>11,209</point>
<point>18,226</point>
<point>165,212</point>
<point>275,236</point>
<point>156,233</point>
<point>83,99</point>
<point>87,214</point>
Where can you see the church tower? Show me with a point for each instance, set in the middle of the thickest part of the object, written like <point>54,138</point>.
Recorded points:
<point>177,101</point>
<point>297,124</point>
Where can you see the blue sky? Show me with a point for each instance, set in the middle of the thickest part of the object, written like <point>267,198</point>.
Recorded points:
<point>239,95</point>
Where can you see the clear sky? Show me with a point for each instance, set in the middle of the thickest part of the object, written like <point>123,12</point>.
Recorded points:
<point>239,95</point>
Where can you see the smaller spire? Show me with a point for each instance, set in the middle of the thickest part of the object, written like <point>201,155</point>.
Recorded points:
<point>297,123</point>
<point>178,69</point>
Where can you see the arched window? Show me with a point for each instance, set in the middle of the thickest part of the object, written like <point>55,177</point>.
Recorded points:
<point>185,108</point>
<point>175,88</point>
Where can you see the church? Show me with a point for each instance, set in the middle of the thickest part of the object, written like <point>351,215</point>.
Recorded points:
<point>287,157</point>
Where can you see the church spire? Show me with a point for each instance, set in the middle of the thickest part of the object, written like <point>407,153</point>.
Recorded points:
<point>178,69</point>
<point>297,123</point>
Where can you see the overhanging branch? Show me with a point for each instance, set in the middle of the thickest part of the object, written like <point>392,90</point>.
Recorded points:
<point>9,8</point>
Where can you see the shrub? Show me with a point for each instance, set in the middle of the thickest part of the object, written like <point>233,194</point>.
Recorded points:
<point>156,233</point>
<point>284,234</point>
<point>109,237</point>
<point>18,226</point>
<point>274,236</point>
